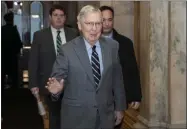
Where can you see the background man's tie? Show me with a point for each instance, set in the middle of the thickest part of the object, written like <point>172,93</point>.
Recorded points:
<point>58,41</point>
<point>95,66</point>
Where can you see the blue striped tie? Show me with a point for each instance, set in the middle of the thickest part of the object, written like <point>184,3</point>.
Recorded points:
<point>95,66</point>
<point>58,41</point>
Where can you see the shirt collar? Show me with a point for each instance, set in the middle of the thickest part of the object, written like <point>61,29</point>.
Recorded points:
<point>55,30</point>
<point>109,36</point>
<point>88,46</point>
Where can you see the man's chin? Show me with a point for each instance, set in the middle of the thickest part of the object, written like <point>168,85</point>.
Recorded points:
<point>59,26</point>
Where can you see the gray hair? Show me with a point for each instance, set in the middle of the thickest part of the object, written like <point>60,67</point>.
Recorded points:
<point>87,9</point>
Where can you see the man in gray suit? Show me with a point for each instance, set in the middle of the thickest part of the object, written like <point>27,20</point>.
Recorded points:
<point>45,47</point>
<point>88,73</point>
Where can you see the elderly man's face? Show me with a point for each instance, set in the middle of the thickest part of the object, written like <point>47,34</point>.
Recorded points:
<point>91,26</point>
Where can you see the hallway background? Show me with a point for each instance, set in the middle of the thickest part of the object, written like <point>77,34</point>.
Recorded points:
<point>158,30</point>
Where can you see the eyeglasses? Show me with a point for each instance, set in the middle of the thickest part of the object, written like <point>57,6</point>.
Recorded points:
<point>91,24</point>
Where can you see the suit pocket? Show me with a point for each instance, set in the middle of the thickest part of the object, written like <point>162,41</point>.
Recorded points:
<point>110,106</point>
<point>71,102</point>
<point>72,114</point>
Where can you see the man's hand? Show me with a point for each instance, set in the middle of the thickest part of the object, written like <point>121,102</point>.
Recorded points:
<point>54,86</point>
<point>34,90</point>
<point>134,105</point>
<point>118,117</point>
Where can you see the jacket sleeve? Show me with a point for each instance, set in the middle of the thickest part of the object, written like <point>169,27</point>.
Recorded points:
<point>133,89</point>
<point>60,71</point>
<point>34,62</point>
<point>118,86</point>
<point>17,39</point>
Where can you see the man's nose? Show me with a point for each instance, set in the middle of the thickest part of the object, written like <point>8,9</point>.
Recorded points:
<point>94,27</point>
<point>58,17</point>
<point>106,23</point>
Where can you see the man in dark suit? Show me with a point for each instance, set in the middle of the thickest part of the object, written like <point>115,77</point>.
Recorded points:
<point>45,48</point>
<point>127,58</point>
<point>88,71</point>
<point>11,45</point>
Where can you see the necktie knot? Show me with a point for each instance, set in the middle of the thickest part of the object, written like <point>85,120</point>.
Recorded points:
<point>94,47</point>
<point>58,32</point>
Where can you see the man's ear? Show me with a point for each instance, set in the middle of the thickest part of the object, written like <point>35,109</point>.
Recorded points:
<point>64,17</point>
<point>79,26</point>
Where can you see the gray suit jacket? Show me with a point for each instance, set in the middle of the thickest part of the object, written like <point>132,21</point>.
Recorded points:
<point>43,56</point>
<point>81,99</point>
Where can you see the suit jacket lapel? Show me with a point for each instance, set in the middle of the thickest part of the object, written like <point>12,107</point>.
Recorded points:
<point>82,54</point>
<point>51,41</point>
<point>105,57</point>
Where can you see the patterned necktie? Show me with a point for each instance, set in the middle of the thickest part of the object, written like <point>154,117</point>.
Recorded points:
<point>58,41</point>
<point>95,66</point>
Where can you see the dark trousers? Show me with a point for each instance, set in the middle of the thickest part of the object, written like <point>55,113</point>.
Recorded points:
<point>54,112</point>
<point>10,68</point>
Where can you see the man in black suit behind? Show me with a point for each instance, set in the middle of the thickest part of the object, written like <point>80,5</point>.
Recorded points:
<point>127,59</point>
<point>11,45</point>
<point>45,47</point>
